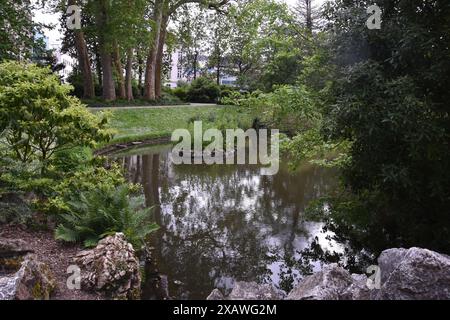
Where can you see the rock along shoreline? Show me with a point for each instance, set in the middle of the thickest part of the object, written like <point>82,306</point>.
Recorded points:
<point>404,274</point>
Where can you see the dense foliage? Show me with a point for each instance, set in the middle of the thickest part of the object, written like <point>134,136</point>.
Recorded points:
<point>94,215</point>
<point>18,29</point>
<point>391,101</point>
<point>41,116</point>
<point>374,103</point>
<point>47,164</point>
<point>203,90</point>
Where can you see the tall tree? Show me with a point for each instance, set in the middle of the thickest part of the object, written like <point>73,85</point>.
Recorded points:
<point>130,29</point>
<point>220,28</point>
<point>308,14</point>
<point>260,34</point>
<point>84,62</point>
<point>129,75</point>
<point>192,38</point>
<point>390,99</point>
<point>17,29</point>
<point>119,70</point>
<point>102,18</point>
<point>164,10</point>
<point>150,71</point>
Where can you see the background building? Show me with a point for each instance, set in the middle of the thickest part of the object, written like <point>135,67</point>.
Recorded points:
<point>179,73</point>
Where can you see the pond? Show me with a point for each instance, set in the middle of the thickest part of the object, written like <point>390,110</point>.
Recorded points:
<point>227,223</point>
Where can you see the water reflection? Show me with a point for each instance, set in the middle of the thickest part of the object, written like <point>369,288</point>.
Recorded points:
<point>223,223</point>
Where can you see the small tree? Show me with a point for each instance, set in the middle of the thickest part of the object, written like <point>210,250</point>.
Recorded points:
<point>41,116</point>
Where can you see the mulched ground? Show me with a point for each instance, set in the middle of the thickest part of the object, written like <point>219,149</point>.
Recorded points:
<point>56,255</point>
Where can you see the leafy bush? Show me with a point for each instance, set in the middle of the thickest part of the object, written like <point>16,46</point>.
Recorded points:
<point>88,180</point>
<point>168,98</point>
<point>232,98</point>
<point>390,100</point>
<point>76,81</point>
<point>399,150</point>
<point>14,209</point>
<point>16,180</point>
<point>181,93</point>
<point>73,159</point>
<point>227,92</point>
<point>41,116</point>
<point>17,177</point>
<point>292,109</point>
<point>98,213</point>
<point>203,90</point>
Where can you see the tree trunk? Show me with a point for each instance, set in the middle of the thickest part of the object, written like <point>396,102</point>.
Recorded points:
<point>109,90</point>
<point>150,71</point>
<point>84,63</point>
<point>129,75</point>
<point>309,19</point>
<point>219,58</point>
<point>160,57</point>
<point>98,66</point>
<point>141,74</point>
<point>119,71</point>
<point>195,64</point>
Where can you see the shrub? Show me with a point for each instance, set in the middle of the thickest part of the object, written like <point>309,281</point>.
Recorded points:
<point>96,214</point>
<point>400,150</point>
<point>72,160</point>
<point>203,90</point>
<point>14,209</point>
<point>41,116</point>
<point>168,98</point>
<point>181,93</point>
<point>232,98</point>
<point>88,180</point>
<point>292,109</point>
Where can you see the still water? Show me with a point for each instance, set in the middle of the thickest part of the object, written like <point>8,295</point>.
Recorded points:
<point>221,224</point>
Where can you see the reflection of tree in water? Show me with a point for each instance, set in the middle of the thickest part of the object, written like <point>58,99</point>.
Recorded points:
<point>226,223</point>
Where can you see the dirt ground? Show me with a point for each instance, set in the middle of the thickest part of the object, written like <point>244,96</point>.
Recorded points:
<point>56,255</point>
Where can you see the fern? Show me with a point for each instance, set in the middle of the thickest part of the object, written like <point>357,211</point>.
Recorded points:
<point>66,234</point>
<point>96,214</point>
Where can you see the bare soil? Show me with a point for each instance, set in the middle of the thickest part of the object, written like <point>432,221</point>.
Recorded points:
<point>56,255</point>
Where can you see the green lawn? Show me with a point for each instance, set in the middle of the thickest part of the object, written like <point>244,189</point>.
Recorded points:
<point>142,124</point>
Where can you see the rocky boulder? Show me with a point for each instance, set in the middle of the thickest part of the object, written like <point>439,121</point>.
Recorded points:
<point>331,283</point>
<point>254,291</point>
<point>358,289</point>
<point>33,281</point>
<point>13,248</point>
<point>248,291</point>
<point>414,274</point>
<point>216,295</point>
<point>112,268</point>
<point>406,274</point>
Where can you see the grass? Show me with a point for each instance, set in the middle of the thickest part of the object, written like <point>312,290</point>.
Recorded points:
<point>144,124</point>
<point>166,99</point>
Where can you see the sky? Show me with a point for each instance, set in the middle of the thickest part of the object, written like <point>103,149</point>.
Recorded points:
<point>55,36</point>
<point>49,18</point>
